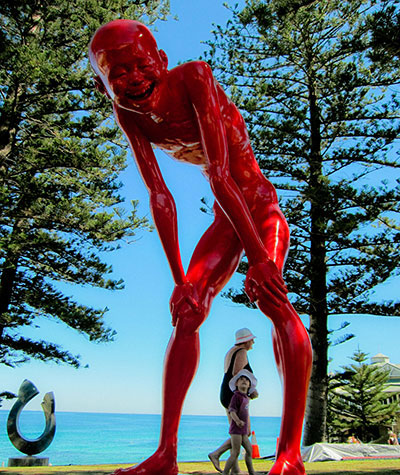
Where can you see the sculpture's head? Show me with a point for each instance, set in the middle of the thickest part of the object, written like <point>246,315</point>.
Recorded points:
<point>129,66</point>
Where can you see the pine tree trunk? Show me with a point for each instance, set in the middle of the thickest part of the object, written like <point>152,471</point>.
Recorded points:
<point>316,412</point>
<point>6,288</point>
<point>315,424</point>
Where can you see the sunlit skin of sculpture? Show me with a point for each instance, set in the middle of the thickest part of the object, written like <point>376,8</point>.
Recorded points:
<point>185,112</point>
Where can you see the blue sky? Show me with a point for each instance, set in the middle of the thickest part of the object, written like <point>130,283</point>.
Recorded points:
<point>125,376</point>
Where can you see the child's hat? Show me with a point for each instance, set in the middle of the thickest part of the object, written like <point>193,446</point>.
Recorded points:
<point>249,375</point>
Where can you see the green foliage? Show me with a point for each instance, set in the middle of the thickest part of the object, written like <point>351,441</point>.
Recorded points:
<point>6,395</point>
<point>356,401</point>
<point>385,27</point>
<point>60,157</point>
<point>323,117</point>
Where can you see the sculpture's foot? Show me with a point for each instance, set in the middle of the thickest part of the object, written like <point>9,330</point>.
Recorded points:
<point>215,461</point>
<point>160,463</point>
<point>288,466</point>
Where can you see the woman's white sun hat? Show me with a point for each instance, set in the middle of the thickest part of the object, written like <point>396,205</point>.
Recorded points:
<point>243,335</point>
<point>249,375</point>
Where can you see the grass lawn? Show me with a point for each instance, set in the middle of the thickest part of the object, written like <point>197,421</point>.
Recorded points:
<point>348,467</point>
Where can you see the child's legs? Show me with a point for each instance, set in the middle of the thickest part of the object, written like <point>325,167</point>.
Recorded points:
<point>216,454</point>
<point>235,467</point>
<point>236,442</point>
<point>249,452</point>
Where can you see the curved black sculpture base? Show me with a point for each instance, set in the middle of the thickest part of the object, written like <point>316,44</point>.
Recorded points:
<point>28,461</point>
<point>26,392</point>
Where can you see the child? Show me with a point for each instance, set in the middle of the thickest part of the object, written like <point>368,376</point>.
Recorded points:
<point>244,382</point>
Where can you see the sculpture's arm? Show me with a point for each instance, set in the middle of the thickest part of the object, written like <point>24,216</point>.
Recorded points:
<point>204,97</point>
<point>264,276</point>
<point>162,204</point>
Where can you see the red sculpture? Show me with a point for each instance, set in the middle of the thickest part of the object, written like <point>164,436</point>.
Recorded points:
<point>185,112</point>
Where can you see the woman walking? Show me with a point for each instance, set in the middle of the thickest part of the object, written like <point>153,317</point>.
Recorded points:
<point>235,360</point>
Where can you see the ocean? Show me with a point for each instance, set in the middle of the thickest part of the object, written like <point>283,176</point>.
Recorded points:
<point>91,438</point>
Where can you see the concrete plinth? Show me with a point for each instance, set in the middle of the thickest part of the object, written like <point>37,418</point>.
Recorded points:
<point>28,461</point>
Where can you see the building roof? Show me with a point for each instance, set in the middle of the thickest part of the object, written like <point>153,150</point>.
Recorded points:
<point>393,369</point>
<point>392,388</point>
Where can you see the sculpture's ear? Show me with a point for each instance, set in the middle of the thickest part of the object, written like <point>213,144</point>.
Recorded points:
<point>164,57</point>
<point>100,86</point>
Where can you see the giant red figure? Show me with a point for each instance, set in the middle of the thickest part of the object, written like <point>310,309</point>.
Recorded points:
<point>185,112</point>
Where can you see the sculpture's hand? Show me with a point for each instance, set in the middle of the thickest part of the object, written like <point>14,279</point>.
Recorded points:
<point>264,280</point>
<point>182,295</point>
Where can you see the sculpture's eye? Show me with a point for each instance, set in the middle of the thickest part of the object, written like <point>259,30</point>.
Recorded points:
<point>117,73</point>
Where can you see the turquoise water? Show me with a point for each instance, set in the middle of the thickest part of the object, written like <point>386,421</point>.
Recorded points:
<point>90,438</point>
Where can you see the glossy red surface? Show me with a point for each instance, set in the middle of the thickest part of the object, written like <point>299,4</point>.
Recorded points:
<point>185,112</point>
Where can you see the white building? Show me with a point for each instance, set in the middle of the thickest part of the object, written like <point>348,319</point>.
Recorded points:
<point>393,385</point>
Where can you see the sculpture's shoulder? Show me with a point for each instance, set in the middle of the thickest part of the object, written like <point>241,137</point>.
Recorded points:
<point>197,65</point>
<point>192,71</point>
<point>197,78</point>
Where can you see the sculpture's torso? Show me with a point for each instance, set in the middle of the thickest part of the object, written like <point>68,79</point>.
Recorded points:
<point>173,128</point>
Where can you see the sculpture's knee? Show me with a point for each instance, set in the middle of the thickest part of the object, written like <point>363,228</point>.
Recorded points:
<point>293,342</point>
<point>189,321</point>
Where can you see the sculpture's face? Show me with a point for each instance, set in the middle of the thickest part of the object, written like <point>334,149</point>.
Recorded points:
<point>132,70</point>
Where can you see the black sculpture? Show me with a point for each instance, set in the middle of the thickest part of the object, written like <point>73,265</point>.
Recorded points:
<point>26,392</point>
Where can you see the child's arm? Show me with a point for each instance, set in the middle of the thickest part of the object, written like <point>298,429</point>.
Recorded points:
<point>233,407</point>
<point>236,419</point>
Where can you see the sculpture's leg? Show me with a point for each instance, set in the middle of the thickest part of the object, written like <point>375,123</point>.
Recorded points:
<point>181,361</point>
<point>293,354</point>
<point>214,260</point>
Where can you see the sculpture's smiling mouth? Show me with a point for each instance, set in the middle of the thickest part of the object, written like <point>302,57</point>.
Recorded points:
<point>141,95</point>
